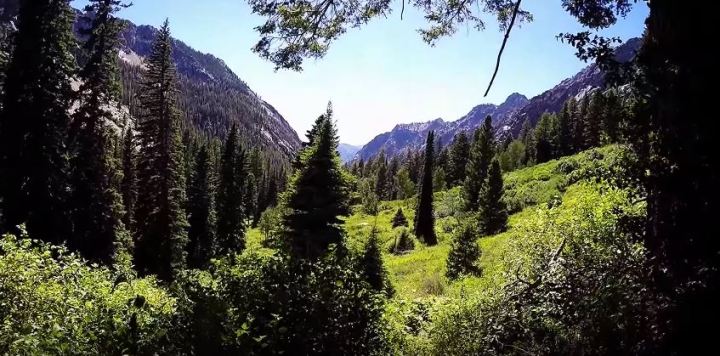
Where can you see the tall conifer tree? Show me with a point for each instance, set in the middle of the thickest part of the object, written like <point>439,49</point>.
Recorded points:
<point>160,214</point>
<point>564,128</point>
<point>317,196</point>
<point>612,118</point>
<point>544,143</point>
<point>424,226</point>
<point>579,141</point>
<point>201,217</point>
<point>593,120</point>
<point>96,203</point>
<point>34,121</point>
<point>230,213</point>
<point>459,153</point>
<point>129,180</point>
<point>381,182</point>
<point>481,153</point>
<point>492,216</point>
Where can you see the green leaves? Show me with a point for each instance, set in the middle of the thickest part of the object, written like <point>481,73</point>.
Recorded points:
<point>297,30</point>
<point>52,302</point>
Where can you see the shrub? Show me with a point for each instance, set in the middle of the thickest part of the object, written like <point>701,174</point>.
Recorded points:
<point>53,302</point>
<point>291,306</point>
<point>434,284</point>
<point>575,284</point>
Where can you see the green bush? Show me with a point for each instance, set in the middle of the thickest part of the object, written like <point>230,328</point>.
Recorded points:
<point>576,283</point>
<point>285,306</point>
<point>52,302</point>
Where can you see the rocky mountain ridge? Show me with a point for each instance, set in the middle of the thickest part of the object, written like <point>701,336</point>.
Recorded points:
<point>508,117</point>
<point>212,97</point>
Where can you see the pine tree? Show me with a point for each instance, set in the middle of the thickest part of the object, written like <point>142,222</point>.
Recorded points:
<point>564,128</point>
<point>250,197</point>
<point>372,265</point>
<point>393,170</point>
<point>34,122</point>
<point>459,154</point>
<point>424,226</point>
<point>403,242</point>
<point>381,186</point>
<point>201,214</point>
<point>399,219</point>
<point>230,214</point>
<point>481,153</point>
<point>439,179</point>
<point>578,125</point>
<point>129,180</point>
<point>317,196</point>
<point>255,167</point>
<point>544,146</point>
<point>96,202</point>
<point>612,118</point>
<point>464,254</point>
<point>492,216</point>
<point>160,214</point>
<point>593,120</point>
<point>527,137</point>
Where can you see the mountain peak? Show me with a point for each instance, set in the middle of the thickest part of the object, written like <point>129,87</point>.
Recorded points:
<point>515,99</point>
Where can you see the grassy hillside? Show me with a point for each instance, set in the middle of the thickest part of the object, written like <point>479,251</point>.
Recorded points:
<point>421,272</point>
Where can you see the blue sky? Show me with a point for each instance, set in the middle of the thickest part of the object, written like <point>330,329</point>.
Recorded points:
<point>384,74</point>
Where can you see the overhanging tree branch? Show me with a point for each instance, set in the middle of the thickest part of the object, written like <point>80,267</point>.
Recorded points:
<point>502,48</point>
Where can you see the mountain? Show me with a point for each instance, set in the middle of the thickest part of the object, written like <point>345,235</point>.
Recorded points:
<point>412,136</point>
<point>347,152</point>
<point>552,100</point>
<point>507,117</point>
<point>211,96</point>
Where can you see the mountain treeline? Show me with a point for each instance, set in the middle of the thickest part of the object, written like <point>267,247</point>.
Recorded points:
<point>116,186</point>
<point>598,118</point>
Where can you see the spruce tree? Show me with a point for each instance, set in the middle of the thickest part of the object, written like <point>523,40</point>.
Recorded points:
<point>255,167</point>
<point>481,153</point>
<point>96,202</point>
<point>612,118</point>
<point>160,214</point>
<point>381,186</point>
<point>464,254</point>
<point>250,197</point>
<point>564,128</point>
<point>492,216</point>
<point>424,226</point>
<point>34,122</point>
<point>129,187</point>
<point>544,146</point>
<point>399,219</point>
<point>527,137</point>
<point>372,265</point>
<point>579,141</point>
<point>593,120</point>
<point>201,217</point>
<point>459,153</point>
<point>392,172</point>
<point>230,213</point>
<point>317,196</point>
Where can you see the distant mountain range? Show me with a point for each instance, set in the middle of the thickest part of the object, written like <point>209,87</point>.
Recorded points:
<point>347,152</point>
<point>507,117</point>
<point>212,97</point>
